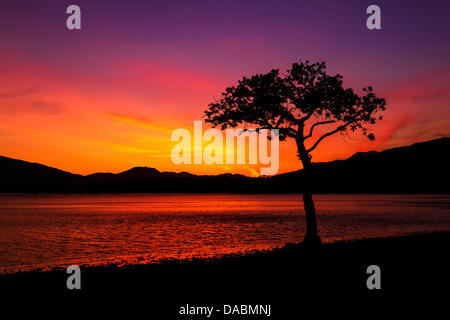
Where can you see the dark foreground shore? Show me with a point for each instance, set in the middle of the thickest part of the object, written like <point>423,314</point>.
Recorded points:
<point>412,267</point>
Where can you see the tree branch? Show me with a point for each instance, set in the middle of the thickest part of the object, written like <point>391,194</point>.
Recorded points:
<point>315,125</point>
<point>279,121</point>
<point>288,131</point>
<point>294,133</point>
<point>306,117</point>
<point>340,128</point>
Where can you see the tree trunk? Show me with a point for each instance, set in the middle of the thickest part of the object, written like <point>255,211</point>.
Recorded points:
<point>311,237</point>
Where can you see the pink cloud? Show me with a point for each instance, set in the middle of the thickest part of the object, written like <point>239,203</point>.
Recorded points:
<point>170,78</point>
<point>430,85</point>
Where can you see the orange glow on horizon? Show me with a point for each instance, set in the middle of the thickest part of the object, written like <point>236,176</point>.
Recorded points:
<point>102,124</point>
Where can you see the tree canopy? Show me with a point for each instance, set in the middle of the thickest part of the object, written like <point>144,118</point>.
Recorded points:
<point>287,101</point>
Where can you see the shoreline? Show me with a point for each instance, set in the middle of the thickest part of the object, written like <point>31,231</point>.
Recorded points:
<point>411,266</point>
<point>3,193</point>
<point>234,255</point>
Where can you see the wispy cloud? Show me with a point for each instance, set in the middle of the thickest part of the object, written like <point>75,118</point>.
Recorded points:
<point>427,86</point>
<point>253,172</point>
<point>17,93</point>
<point>32,106</point>
<point>139,121</point>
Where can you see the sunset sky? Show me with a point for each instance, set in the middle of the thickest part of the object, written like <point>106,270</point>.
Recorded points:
<point>107,98</point>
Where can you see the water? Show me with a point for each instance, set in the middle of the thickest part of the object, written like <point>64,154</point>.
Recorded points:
<point>46,231</point>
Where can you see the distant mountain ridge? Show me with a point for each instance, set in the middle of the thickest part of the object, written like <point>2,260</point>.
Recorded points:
<point>141,173</point>
<point>418,168</point>
<point>22,176</point>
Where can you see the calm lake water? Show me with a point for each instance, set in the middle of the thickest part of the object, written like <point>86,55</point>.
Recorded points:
<point>45,231</point>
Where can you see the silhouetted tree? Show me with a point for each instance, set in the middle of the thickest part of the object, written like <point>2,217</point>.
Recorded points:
<point>296,103</point>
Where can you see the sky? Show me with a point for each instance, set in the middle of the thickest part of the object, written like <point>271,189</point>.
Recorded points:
<point>107,97</point>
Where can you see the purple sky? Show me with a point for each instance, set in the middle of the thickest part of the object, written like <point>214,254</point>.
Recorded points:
<point>166,60</point>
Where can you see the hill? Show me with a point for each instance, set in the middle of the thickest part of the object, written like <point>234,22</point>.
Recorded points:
<point>419,168</point>
<point>22,176</point>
